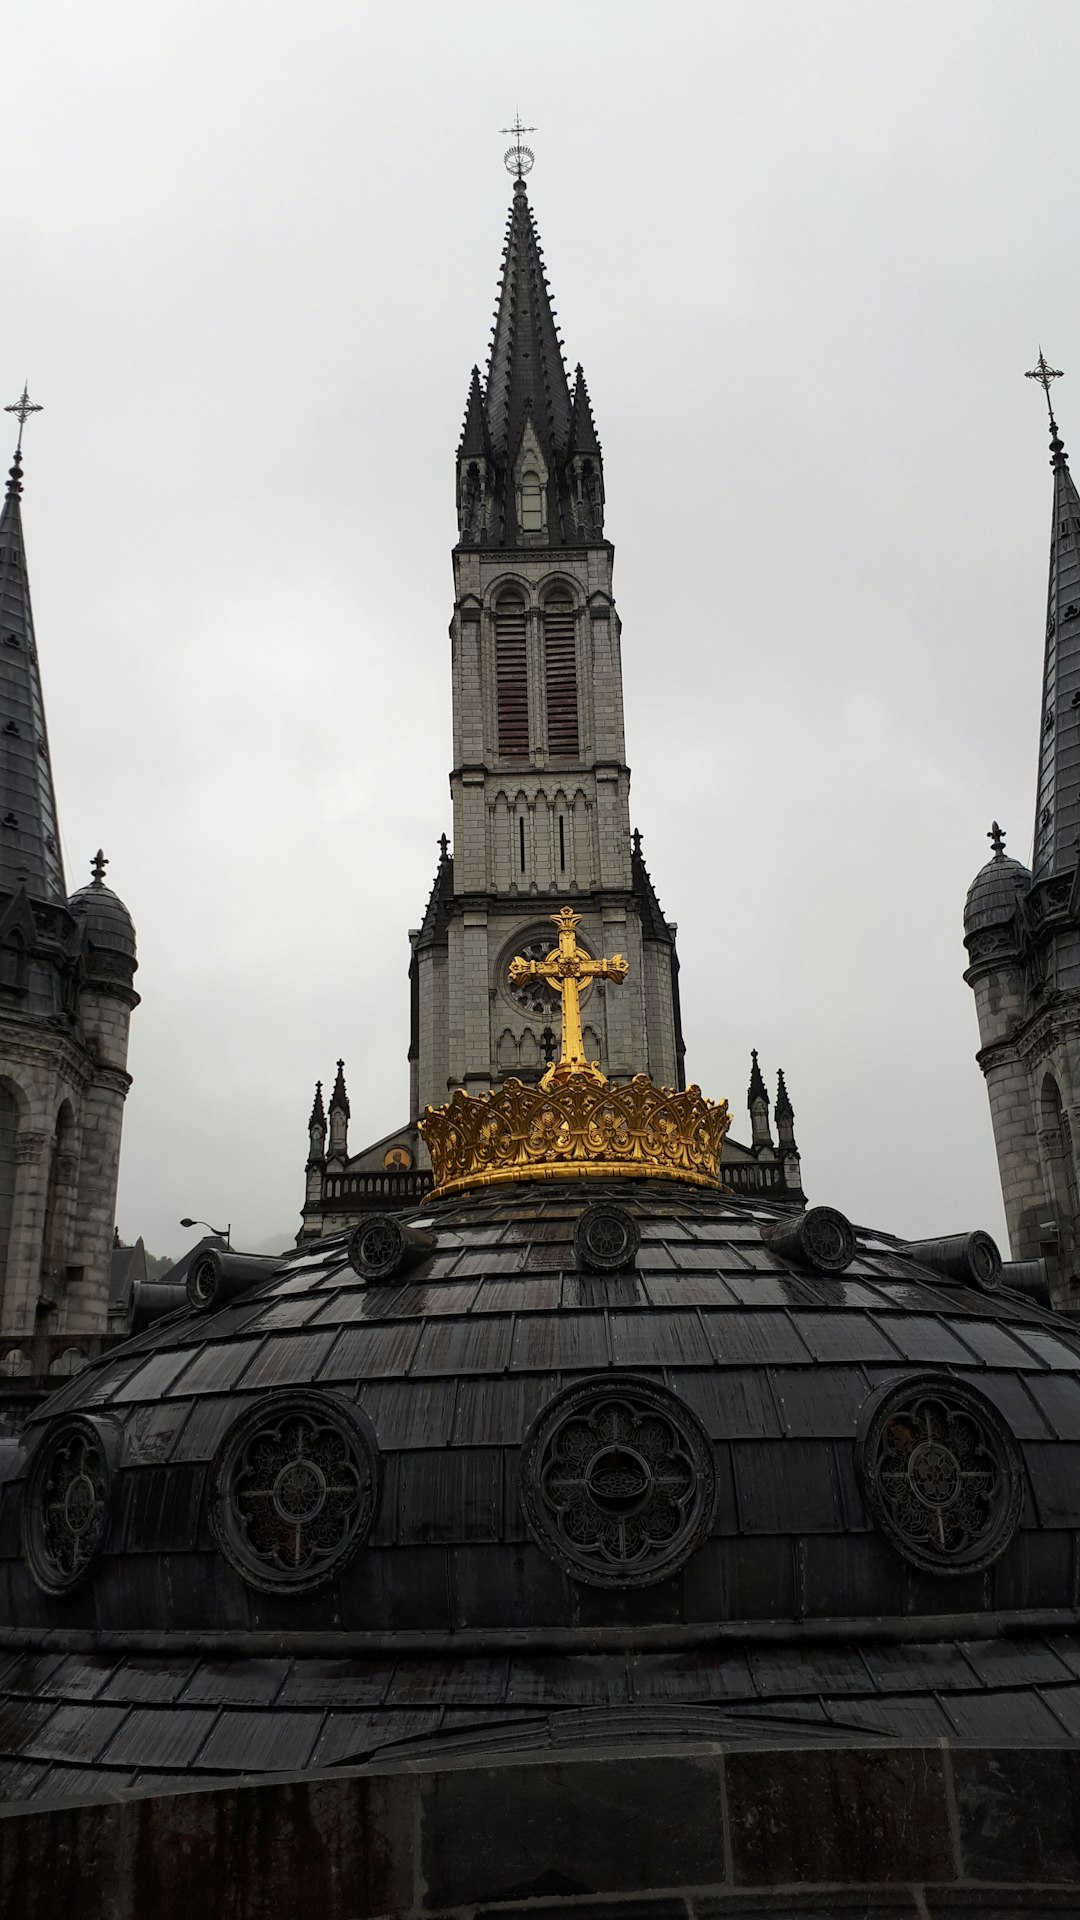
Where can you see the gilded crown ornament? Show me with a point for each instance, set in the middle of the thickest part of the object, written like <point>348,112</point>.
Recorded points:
<point>575,1123</point>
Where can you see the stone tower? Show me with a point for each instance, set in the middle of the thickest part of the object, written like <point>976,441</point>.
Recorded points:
<point>1022,933</point>
<point>540,787</point>
<point>66,996</point>
<point>540,783</point>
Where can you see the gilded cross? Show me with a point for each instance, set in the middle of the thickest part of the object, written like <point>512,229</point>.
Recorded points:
<point>567,968</point>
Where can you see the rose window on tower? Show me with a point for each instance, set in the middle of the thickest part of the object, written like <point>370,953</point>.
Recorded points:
<point>294,1491</point>
<point>68,1505</point>
<point>618,1482</point>
<point>941,1474</point>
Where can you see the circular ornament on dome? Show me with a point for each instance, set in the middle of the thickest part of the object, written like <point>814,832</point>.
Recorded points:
<point>618,1482</point>
<point>606,1239</point>
<point>828,1241</point>
<point>294,1491</point>
<point>941,1474</point>
<point>67,1506</point>
<point>376,1247</point>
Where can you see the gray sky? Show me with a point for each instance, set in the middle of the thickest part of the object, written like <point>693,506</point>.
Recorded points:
<point>805,254</point>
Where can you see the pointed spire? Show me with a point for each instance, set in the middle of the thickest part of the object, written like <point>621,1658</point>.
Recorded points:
<point>783,1108</point>
<point>582,426</point>
<point>318,1112</point>
<point>1057,806</point>
<point>29,836</point>
<point>339,1099</point>
<point>757,1089</point>
<point>475,436</point>
<point>526,375</point>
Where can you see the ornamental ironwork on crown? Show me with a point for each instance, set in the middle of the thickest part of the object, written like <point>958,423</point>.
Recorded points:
<point>576,1122</point>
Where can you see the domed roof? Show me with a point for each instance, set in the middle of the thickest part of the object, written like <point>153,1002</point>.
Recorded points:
<point>103,913</point>
<point>993,894</point>
<point>468,1468</point>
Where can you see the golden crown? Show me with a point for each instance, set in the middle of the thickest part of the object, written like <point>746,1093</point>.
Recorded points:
<point>576,1123</point>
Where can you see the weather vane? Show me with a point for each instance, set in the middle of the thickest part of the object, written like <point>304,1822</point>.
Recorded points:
<point>22,408</point>
<point>1044,374</point>
<point>519,159</point>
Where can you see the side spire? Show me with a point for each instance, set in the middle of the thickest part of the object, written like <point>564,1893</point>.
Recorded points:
<point>29,837</point>
<point>1057,806</point>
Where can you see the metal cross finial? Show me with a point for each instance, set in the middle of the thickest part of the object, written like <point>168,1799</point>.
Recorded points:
<point>518,159</point>
<point>1044,374</point>
<point>22,408</point>
<point>568,968</point>
<point>97,867</point>
<point>996,837</point>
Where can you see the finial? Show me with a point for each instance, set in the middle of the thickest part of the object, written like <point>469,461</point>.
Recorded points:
<point>567,968</point>
<point>996,837</point>
<point>22,408</point>
<point>637,841</point>
<point>1044,375</point>
<point>444,848</point>
<point>98,864</point>
<point>518,159</point>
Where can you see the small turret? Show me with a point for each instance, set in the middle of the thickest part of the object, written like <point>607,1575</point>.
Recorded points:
<point>757,1099</point>
<point>785,1115</point>
<point>339,1118</point>
<point>317,1129</point>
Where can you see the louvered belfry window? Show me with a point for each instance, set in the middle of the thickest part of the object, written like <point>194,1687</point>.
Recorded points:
<point>511,678</point>
<point>560,668</point>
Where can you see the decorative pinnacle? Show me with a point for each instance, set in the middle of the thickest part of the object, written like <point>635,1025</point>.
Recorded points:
<point>757,1089</point>
<point>444,848</point>
<point>1044,374</point>
<point>518,159</point>
<point>996,837</point>
<point>99,863</point>
<point>22,408</point>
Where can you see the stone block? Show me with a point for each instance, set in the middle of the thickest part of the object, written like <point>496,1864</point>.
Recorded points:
<point>827,1815</point>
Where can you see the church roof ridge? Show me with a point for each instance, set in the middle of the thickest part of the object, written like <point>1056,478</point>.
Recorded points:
<point>29,834</point>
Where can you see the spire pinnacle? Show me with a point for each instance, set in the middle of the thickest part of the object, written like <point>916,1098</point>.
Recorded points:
<point>518,159</point>
<point>783,1108</point>
<point>996,837</point>
<point>97,867</point>
<point>757,1089</point>
<point>339,1099</point>
<point>318,1113</point>
<point>1044,374</point>
<point>22,408</point>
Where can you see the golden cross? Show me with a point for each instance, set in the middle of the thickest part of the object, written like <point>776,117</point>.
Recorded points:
<point>567,968</point>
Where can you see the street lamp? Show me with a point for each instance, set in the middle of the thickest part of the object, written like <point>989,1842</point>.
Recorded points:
<point>222,1232</point>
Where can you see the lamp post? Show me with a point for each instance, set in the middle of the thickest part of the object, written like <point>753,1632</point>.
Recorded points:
<point>222,1232</point>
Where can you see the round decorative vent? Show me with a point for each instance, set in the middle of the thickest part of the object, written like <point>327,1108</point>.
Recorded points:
<point>618,1482</point>
<point>606,1239</point>
<point>67,1505</point>
<point>294,1491</point>
<point>941,1474</point>
<point>376,1247</point>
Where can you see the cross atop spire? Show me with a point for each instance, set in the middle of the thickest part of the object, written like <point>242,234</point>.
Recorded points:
<point>518,159</point>
<point>22,408</point>
<point>1044,375</point>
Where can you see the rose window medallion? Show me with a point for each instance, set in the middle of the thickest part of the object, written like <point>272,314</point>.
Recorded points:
<point>294,1492</point>
<point>941,1474</point>
<point>67,1506</point>
<point>618,1482</point>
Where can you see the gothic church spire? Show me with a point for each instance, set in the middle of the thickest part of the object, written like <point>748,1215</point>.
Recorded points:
<point>1057,806</point>
<point>29,838</point>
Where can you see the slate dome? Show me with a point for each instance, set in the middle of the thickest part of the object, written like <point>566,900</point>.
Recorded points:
<point>105,917</point>
<point>500,1498</point>
<point>993,894</point>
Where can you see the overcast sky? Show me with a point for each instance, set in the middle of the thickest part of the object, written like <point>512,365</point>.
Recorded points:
<point>805,253</point>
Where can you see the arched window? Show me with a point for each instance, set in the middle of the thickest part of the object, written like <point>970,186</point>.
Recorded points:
<point>511,678</point>
<point>532,504</point>
<point>9,1128</point>
<point>560,672</point>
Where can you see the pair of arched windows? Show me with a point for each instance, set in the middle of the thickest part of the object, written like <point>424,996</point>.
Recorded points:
<point>559,658</point>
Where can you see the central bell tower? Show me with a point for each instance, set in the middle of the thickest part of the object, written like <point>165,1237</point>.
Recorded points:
<point>540,783</point>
